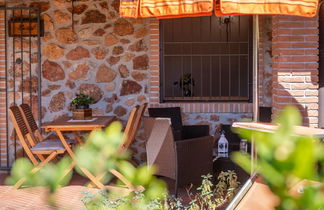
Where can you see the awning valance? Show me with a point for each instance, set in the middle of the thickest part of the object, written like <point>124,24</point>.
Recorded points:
<point>181,8</point>
<point>306,8</point>
<point>165,8</point>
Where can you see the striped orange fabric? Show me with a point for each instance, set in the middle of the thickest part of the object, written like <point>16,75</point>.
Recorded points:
<point>187,8</point>
<point>307,8</point>
<point>175,8</point>
<point>129,8</point>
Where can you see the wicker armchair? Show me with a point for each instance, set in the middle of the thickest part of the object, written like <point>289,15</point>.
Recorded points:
<point>182,160</point>
<point>180,131</point>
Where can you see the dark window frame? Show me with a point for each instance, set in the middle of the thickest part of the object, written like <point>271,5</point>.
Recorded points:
<point>222,99</point>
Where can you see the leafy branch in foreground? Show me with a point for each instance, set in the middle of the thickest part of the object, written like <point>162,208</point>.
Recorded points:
<point>284,159</point>
<point>206,196</point>
<point>98,155</point>
<point>50,175</point>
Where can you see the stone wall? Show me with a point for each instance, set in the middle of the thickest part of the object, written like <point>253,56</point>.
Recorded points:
<point>100,54</point>
<point>115,60</point>
<point>265,61</point>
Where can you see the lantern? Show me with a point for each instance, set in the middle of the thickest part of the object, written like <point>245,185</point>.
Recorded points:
<point>222,146</point>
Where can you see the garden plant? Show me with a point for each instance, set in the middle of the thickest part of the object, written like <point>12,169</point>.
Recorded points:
<point>284,159</point>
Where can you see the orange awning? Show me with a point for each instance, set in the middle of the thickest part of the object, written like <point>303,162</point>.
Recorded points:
<point>129,8</point>
<point>306,8</point>
<point>169,9</point>
<point>165,8</point>
<point>181,8</point>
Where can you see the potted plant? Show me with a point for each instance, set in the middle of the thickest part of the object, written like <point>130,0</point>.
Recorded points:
<point>186,83</point>
<point>81,104</point>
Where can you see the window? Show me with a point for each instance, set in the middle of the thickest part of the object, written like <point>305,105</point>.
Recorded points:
<point>206,59</point>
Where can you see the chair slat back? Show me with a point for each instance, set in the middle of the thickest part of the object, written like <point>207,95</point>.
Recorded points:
<point>18,121</point>
<point>129,126</point>
<point>22,131</point>
<point>25,109</point>
<point>129,138</point>
<point>31,123</point>
<point>139,117</point>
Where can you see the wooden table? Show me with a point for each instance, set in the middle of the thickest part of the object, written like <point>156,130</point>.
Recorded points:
<point>65,125</point>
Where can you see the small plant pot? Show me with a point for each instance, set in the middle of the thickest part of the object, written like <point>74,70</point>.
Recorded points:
<point>82,114</point>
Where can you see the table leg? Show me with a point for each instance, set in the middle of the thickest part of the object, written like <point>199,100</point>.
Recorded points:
<point>84,170</point>
<point>65,144</point>
<point>77,137</point>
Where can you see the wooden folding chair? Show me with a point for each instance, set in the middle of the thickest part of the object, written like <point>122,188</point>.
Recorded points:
<point>32,148</point>
<point>131,128</point>
<point>32,125</point>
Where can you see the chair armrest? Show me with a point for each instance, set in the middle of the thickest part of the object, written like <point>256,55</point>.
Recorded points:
<point>194,159</point>
<point>194,131</point>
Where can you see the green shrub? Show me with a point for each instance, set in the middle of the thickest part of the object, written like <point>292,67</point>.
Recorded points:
<point>99,155</point>
<point>207,196</point>
<point>284,159</point>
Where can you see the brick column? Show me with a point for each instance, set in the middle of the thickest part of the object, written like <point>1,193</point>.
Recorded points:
<point>154,84</point>
<point>295,65</point>
<point>3,128</point>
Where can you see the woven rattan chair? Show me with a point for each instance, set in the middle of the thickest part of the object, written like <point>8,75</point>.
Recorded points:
<point>33,127</point>
<point>184,161</point>
<point>180,131</point>
<point>48,149</point>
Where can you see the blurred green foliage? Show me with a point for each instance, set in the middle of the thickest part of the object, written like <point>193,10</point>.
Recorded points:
<point>152,197</point>
<point>206,196</point>
<point>50,175</point>
<point>284,159</point>
<point>100,152</point>
<point>99,155</point>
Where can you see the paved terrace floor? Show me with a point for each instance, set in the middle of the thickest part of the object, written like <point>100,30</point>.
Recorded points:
<point>67,197</point>
<point>35,198</point>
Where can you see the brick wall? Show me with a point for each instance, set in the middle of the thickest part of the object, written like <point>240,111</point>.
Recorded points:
<point>3,133</point>
<point>295,65</point>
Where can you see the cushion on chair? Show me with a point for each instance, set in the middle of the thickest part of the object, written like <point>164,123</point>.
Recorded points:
<point>48,145</point>
<point>69,141</point>
<point>160,148</point>
<point>180,132</point>
<point>174,113</point>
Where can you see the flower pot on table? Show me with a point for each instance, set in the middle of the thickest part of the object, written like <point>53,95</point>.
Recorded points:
<point>82,113</point>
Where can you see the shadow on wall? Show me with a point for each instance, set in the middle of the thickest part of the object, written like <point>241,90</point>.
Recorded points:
<point>304,97</point>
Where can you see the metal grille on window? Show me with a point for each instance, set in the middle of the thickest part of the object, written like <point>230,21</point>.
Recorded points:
<point>206,59</point>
